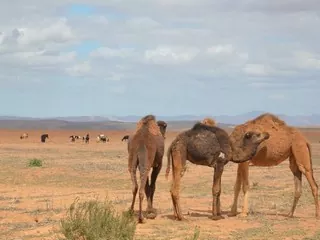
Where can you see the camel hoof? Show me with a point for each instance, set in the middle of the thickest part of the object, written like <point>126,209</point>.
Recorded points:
<point>141,220</point>
<point>180,218</point>
<point>232,214</point>
<point>217,217</point>
<point>290,215</point>
<point>151,215</point>
<point>151,210</point>
<point>243,215</point>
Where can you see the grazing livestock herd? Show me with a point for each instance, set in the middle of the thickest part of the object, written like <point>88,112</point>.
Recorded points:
<point>73,138</point>
<point>263,141</point>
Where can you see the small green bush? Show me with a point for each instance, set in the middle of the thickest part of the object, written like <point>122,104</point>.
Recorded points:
<point>94,220</point>
<point>196,234</point>
<point>34,162</point>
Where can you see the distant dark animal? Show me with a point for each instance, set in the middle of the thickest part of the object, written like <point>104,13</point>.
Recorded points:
<point>102,138</point>
<point>125,137</point>
<point>72,138</point>
<point>86,138</point>
<point>44,137</point>
<point>208,146</point>
<point>24,136</point>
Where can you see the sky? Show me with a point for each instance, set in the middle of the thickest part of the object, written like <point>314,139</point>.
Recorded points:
<point>164,57</point>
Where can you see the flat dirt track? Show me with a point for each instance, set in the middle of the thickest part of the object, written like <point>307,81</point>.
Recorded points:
<point>33,200</point>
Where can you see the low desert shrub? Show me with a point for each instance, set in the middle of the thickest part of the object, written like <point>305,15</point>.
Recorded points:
<point>95,220</point>
<point>35,162</point>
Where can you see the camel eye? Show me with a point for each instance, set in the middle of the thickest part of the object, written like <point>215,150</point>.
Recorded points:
<point>248,135</point>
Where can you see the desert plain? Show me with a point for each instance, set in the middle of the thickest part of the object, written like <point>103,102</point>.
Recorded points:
<point>34,199</point>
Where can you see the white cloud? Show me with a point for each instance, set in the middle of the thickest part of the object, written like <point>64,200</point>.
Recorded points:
<point>221,49</point>
<point>258,70</point>
<point>142,23</point>
<point>106,52</point>
<point>307,60</point>
<point>170,55</point>
<point>277,96</point>
<point>79,69</point>
<point>57,32</point>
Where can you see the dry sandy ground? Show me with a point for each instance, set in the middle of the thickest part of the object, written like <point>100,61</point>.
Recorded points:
<point>33,200</point>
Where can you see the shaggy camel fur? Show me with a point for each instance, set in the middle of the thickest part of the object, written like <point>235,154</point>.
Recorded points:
<point>284,142</point>
<point>146,149</point>
<point>209,122</point>
<point>208,146</point>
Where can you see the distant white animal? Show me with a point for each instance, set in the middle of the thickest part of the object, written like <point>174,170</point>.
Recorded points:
<point>102,138</point>
<point>24,136</point>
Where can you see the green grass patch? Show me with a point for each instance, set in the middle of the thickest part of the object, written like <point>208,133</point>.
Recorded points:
<point>93,219</point>
<point>35,162</point>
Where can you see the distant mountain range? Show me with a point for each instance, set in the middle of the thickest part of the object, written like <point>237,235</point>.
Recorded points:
<point>128,122</point>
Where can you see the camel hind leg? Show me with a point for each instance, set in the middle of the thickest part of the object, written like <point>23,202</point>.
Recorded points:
<point>145,160</point>
<point>178,162</point>
<point>297,183</point>
<point>302,154</point>
<point>154,175</point>
<point>133,164</point>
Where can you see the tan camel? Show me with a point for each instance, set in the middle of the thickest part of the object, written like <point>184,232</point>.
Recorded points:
<point>146,149</point>
<point>284,142</point>
<point>208,146</point>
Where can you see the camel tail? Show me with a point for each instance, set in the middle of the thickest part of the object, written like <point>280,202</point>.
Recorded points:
<point>169,161</point>
<point>142,156</point>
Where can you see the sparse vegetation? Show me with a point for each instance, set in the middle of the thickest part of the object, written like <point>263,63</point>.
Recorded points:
<point>196,234</point>
<point>93,219</point>
<point>35,162</point>
<point>34,200</point>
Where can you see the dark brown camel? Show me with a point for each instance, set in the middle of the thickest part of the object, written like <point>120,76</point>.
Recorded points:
<point>146,149</point>
<point>284,142</point>
<point>208,146</point>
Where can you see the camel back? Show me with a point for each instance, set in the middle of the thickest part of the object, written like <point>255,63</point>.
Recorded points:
<point>150,123</point>
<point>266,121</point>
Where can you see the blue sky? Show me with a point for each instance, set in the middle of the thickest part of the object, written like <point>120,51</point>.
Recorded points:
<point>162,57</point>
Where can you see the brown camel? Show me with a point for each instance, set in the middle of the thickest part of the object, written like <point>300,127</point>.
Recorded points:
<point>146,149</point>
<point>284,142</point>
<point>208,146</point>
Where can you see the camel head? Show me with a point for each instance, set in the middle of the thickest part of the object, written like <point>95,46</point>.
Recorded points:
<point>245,142</point>
<point>163,127</point>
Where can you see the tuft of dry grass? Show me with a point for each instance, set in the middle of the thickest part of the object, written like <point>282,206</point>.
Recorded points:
<point>90,220</point>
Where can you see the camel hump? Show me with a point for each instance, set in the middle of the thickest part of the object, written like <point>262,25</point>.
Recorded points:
<point>204,127</point>
<point>268,118</point>
<point>148,123</point>
<point>209,121</point>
